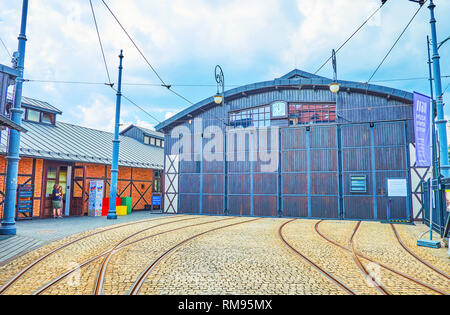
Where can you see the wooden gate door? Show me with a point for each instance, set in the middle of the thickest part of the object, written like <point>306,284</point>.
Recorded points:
<point>310,172</point>
<point>372,155</point>
<point>78,198</point>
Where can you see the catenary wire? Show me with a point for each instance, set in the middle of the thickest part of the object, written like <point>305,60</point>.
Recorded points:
<point>100,42</point>
<point>203,85</point>
<point>395,43</point>
<point>348,39</point>
<point>169,87</point>
<point>6,48</point>
<point>136,105</point>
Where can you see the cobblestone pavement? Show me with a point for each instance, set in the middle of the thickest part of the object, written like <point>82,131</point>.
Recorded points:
<point>44,231</point>
<point>248,258</point>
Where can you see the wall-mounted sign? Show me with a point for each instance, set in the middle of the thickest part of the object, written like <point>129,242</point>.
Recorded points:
<point>156,200</point>
<point>397,188</point>
<point>279,110</point>
<point>358,184</point>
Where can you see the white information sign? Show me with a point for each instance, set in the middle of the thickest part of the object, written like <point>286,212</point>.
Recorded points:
<point>397,188</point>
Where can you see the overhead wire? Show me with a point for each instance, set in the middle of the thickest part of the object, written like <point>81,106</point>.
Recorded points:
<point>396,42</point>
<point>6,48</point>
<point>100,42</point>
<point>164,84</point>
<point>203,85</point>
<point>348,39</point>
<point>111,85</point>
<point>135,104</point>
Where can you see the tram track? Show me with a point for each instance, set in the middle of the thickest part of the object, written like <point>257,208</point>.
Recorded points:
<point>422,261</point>
<point>339,283</point>
<point>346,249</point>
<point>137,286</point>
<point>98,287</point>
<point>379,286</point>
<point>4,288</point>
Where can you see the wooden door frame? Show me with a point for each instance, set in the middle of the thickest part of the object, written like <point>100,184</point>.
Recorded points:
<point>73,183</point>
<point>45,166</point>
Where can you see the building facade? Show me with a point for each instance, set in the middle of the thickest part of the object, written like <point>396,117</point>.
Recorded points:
<point>54,152</point>
<point>291,148</point>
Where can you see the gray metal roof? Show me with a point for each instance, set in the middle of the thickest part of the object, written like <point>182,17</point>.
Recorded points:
<point>71,143</point>
<point>293,79</point>
<point>146,131</point>
<point>36,104</point>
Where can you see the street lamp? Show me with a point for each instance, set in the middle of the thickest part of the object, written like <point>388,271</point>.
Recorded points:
<point>335,86</point>
<point>219,98</point>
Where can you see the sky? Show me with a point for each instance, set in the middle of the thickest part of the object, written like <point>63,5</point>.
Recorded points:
<point>184,40</point>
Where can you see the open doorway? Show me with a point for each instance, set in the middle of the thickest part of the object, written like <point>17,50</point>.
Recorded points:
<point>54,174</point>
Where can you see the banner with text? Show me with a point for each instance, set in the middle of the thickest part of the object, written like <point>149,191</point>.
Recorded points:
<point>422,121</point>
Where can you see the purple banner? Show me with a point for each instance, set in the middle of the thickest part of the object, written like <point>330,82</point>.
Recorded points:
<point>422,121</point>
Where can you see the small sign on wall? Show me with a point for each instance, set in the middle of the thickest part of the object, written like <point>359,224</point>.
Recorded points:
<point>358,184</point>
<point>156,200</point>
<point>397,188</point>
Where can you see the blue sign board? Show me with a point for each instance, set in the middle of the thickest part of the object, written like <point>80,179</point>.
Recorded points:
<point>156,200</point>
<point>422,122</point>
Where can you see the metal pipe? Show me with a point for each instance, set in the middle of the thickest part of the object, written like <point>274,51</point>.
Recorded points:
<point>8,224</point>
<point>112,214</point>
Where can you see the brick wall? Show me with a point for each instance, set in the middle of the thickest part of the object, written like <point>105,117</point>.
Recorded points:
<point>136,183</point>
<point>25,176</point>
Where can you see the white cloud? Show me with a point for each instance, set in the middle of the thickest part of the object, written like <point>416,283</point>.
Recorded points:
<point>99,113</point>
<point>183,38</point>
<point>169,115</point>
<point>145,124</point>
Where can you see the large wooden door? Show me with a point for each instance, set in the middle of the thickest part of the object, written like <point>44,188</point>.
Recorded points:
<point>78,197</point>
<point>54,174</point>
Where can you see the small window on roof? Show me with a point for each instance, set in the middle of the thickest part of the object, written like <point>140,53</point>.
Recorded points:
<point>152,141</point>
<point>158,142</point>
<point>33,115</point>
<point>48,118</point>
<point>162,143</point>
<point>146,140</point>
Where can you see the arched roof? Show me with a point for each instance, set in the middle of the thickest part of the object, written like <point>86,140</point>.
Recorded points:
<point>293,80</point>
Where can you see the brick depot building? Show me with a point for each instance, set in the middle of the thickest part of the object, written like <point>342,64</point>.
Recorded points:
<point>54,152</point>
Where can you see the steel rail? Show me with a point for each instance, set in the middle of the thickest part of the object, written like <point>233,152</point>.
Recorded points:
<point>408,250</point>
<point>86,263</point>
<point>361,267</point>
<point>137,286</point>
<point>98,288</point>
<point>311,263</point>
<point>18,276</point>
<point>376,262</point>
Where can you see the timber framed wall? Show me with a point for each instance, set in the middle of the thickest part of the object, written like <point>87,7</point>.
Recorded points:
<point>136,183</point>
<point>30,172</point>
<point>133,182</point>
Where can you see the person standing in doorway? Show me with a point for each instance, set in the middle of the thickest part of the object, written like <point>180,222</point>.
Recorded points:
<point>57,201</point>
